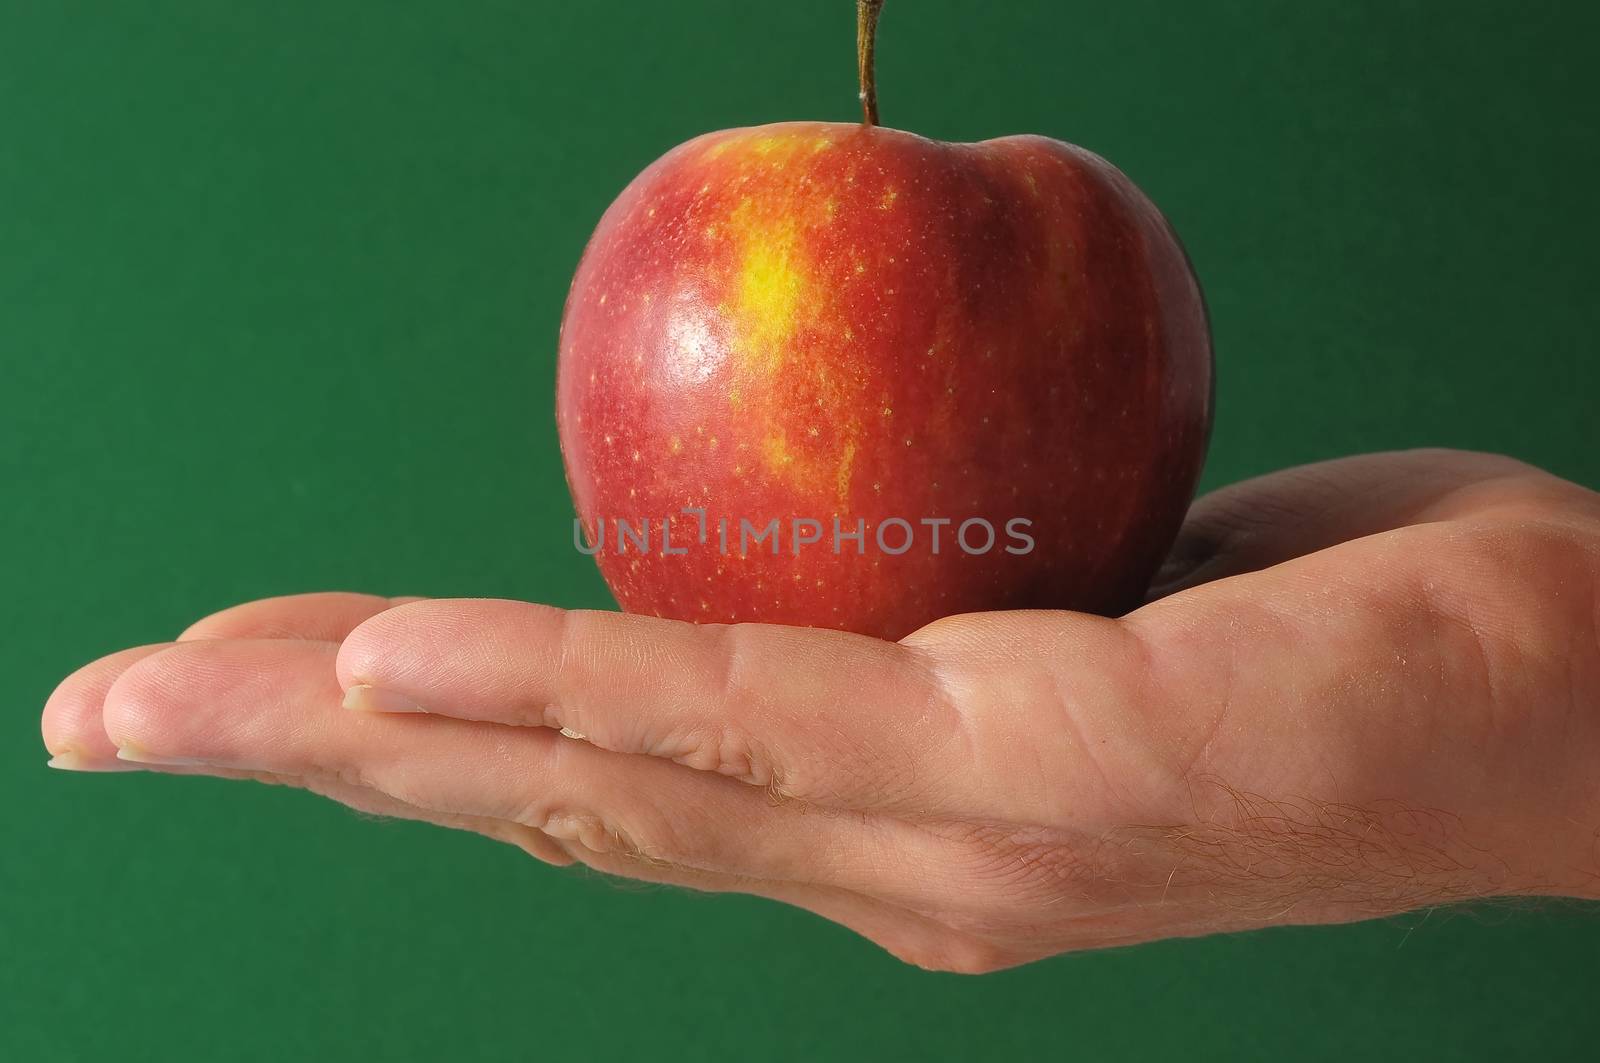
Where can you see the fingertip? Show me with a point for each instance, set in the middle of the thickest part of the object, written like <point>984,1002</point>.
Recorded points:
<point>228,702</point>
<point>397,645</point>
<point>72,722</point>
<point>363,647</point>
<point>320,616</point>
<point>133,707</point>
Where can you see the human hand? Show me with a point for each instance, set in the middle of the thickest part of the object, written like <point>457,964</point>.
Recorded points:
<point>1359,688</point>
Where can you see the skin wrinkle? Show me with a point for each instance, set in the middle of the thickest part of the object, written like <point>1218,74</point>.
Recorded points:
<point>743,757</point>
<point>576,669</point>
<point>1325,854</point>
<point>936,706</point>
<point>967,656</point>
<point>667,859</point>
<point>733,752</point>
<point>1181,690</point>
<point>661,844</point>
<point>564,640</point>
<point>1066,713</point>
<point>1313,850</point>
<point>1218,717</point>
<point>1444,617</point>
<point>1016,863</point>
<point>588,830</point>
<point>1145,696</point>
<point>735,755</point>
<point>1506,670</point>
<point>944,703</point>
<point>541,814</point>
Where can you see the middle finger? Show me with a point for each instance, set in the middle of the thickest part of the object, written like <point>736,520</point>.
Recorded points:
<point>273,706</point>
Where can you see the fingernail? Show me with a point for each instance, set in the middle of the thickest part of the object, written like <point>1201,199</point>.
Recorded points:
<point>72,760</point>
<point>134,755</point>
<point>364,698</point>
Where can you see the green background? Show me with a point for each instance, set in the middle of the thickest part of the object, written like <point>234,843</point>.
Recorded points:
<point>279,288</point>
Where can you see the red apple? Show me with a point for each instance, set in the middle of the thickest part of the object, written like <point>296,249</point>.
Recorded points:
<point>844,376</point>
<point>816,321</point>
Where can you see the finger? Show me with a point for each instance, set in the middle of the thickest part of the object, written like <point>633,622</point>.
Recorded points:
<point>273,706</point>
<point>1261,522</point>
<point>74,733</point>
<point>823,716</point>
<point>328,616</point>
<point>71,722</point>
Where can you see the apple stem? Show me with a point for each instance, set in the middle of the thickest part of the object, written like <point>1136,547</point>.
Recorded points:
<point>866,41</point>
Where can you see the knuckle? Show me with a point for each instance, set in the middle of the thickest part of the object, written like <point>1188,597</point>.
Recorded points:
<point>730,747</point>
<point>1506,569</point>
<point>1020,884</point>
<point>735,752</point>
<point>636,833</point>
<point>1513,489</point>
<point>535,843</point>
<point>584,834</point>
<point>1511,601</point>
<point>1023,866</point>
<point>608,812</point>
<point>1464,466</point>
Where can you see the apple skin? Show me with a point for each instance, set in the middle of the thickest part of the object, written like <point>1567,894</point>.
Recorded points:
<point>817,320</point>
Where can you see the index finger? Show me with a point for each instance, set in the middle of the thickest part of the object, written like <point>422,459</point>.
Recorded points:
<point>823,716</point>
